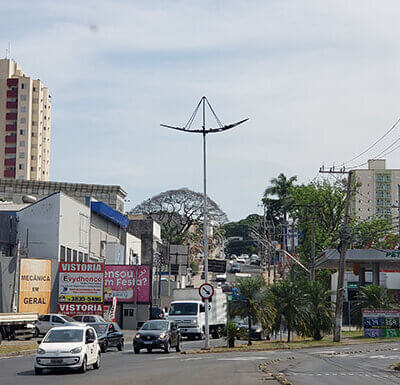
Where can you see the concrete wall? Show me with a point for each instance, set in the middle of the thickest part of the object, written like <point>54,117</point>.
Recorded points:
<point>7,272</point>
<point>133,245</point>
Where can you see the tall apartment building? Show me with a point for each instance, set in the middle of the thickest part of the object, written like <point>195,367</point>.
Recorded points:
<point>377,191</point>
<point>25,111</point>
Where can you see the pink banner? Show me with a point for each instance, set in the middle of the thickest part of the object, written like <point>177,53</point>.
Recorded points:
<point>119,282</point>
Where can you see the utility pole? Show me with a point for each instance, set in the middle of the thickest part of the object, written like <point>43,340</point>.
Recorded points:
<point>292,271</point>
<point>312,269</point>
<point>344,242</point>
<point>204,131</point>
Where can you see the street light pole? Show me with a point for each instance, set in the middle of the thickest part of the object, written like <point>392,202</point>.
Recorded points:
<point>204,103</point>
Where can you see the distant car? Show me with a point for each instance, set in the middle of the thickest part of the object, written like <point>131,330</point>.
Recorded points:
<point>233,257</point>
<point>46,322</point>
<point>255,262</point>
<point>109,335</point>
<point>235,268</point>
<point>226,288</point>
<point>157,334</point>
<point>87,319</point>
<point>73,347</point>
<point>241,260</point>
<point>257,332</point>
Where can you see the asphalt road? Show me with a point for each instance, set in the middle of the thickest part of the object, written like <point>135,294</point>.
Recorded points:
<point>355,365</point>
<point>350,365</point>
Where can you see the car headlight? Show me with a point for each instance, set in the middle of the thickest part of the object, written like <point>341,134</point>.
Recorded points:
<point>195,321</point>
<point>138,335</point>
<point>258,330</point>
<point>162,336</point>
<point>76,350</point>
<point>41,351</point>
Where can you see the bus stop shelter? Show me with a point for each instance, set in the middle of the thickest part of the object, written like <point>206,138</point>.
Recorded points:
<point>362,260</point>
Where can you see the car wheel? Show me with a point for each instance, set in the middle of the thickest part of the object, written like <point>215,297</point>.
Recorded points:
<point>149,350</point>
<point>83,367</point>
<point>36,333</point>
<point>136,350</point>
<point>166,347</point>
<point>104,347</point>
<point>96,365</point>
<point>120,346</point>
<point>38,371</point>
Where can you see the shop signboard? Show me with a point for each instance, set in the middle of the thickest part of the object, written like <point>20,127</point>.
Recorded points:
<point>381,323</point>
<point>119,282</point>
<point>35,285</point>
<point>80,308</point>
<point>81,282</point>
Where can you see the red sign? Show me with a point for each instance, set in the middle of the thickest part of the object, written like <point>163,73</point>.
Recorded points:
<point>80,308</point>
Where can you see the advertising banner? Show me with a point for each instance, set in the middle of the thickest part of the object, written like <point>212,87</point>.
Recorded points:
<point>381,323</point>
<point>81,282</point>
<point>35,285</point>
<point>80,308</point>
<point>119,282</point>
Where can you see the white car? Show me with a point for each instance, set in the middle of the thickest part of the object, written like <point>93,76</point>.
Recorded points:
<point>46,322</point>
<point>73,347</point>
<point>241,260</point>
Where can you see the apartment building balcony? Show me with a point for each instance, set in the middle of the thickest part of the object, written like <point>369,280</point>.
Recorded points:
<point>12,82</point>
<point>11,127</point>
<point>9,173</point>
<point>10,162</point>
<point>12,93</point>
<point>10,150</point>
<point>12,104</point>
<point>11,116</point>
<point>11,139</point>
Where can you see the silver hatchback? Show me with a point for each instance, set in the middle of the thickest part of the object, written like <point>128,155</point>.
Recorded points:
<point>49,321</point>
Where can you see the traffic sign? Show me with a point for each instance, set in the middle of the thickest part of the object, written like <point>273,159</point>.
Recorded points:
<point>206,291</point>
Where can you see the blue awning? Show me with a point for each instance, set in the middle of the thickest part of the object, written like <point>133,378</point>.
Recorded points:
<point>109,213</point>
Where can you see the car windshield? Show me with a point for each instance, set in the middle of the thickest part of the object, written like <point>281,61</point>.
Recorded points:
<point>183,309</point>
<point>64,335</point>
<point>155,325</point>
<point>100,328</point>
<point>68,318</point>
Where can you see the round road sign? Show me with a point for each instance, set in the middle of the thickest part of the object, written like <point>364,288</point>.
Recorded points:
<point>206,291</point>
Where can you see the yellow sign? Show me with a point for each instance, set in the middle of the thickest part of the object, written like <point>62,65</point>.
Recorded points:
<point>35,285</point>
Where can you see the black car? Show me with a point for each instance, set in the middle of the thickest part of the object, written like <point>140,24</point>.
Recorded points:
<point>157,334</point>
<point>157,313</point>
<point>257,332</point>
<point>109,335</point>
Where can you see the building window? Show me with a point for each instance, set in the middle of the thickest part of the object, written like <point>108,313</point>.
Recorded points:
<point>33,123</point>
<point>33,134</point>
<point>23,109</point>
<point>80,256</point>
<point>34,89</point>
<point>32,169</point>
<point>23,120</point>
<point>62,253</point>
<point>75,255</point>
<point>21,155</point>
<point>22,143</point>
<point>22,86</point>
<point>69,254</point>
<point>22,132</point>
<point>85,258</point>
<point>33,157</point>
<point>20,166</point>
<point>23,97</point>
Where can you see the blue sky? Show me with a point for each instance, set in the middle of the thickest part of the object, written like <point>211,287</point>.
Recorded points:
<point>319,81</point>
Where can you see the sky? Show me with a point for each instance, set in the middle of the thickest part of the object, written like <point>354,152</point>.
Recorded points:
<point>318,80</point>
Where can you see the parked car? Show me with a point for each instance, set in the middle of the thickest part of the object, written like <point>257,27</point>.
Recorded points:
<point>157,334</point>
<point>241,260</point>
<point>235,268</point>
<point>73,347</point>
<point>47,321</point>
<point>109,335</point>
<point>87,319</point>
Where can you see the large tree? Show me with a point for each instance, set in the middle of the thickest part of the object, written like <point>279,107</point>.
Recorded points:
<point>178,211</point>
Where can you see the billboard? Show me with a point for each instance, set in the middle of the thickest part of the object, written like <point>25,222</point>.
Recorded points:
<point>381,323</point>
<point>35,285</point>
<point>119,282</point>
<point>80,308</point>
<point>81,282</point>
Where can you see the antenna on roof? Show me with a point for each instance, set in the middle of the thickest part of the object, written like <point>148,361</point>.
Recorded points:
<point>8,51</point>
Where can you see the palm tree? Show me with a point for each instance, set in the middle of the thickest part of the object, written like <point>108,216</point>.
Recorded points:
<point>317,315</point>
<point>371,297</point>
<point>289,300</point>
<point>280,187</point>
<point>255,303</point>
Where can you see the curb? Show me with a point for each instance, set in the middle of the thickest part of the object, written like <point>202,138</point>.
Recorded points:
<point>278,377</point>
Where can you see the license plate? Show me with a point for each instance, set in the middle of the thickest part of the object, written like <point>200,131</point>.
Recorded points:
<point>56,361</point>
<point>148,342</point>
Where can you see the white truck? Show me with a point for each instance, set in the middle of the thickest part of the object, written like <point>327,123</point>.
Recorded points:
<point>188,310</point>
<point>17,324</point>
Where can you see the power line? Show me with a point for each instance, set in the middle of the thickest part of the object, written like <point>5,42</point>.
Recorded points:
<point>375,143</point>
